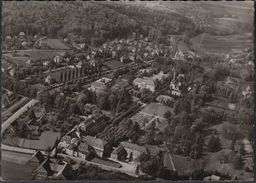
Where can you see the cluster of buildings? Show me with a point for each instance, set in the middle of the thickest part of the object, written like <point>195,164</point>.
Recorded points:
<point>48,167</point>
<point>83,146</point>
<point>131,49</point>
<point>20,41</point>
<point>241,59</point>
<point>23,41</point>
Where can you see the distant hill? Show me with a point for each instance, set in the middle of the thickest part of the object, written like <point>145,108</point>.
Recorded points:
<point>214,17</point>
<point>86,19</point>
<point>107,20</point>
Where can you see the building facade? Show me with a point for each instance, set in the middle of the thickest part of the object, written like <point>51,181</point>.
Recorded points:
<point>144,83</point>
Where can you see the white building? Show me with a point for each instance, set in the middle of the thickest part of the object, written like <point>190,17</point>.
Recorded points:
<point>175,85</point>
<point>144,83</point>
<point>175,88</point>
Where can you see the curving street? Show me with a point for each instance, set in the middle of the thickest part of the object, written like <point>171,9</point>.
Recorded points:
<point>17,114</point>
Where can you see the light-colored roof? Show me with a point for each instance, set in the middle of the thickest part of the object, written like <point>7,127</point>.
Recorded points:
<point>154,150</point>
<point>21,34</point>
<point>212,177</point>
<point>247,145</point>
<point>146,81</point>
<point>83,147</point>
<point>157,109</point>
<point>168,162</point>
<point>99,85</point>
<point>94,142</point>
<point>164,97</point>
<point>128,145</point>
<point>46,140</point>
<point>55,44</point>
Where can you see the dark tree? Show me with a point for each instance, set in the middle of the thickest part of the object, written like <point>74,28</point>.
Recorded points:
<point>150,166</point>
<point>214,144</point>
<point>168,115</point>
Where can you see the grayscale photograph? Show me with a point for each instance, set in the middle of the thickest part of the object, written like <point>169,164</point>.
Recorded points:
<point>127,90</point>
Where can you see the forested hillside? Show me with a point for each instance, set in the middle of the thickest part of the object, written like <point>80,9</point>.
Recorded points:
<point>87,19</point>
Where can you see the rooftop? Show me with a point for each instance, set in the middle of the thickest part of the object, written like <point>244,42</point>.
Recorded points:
<point>56,166</point>
<point>55,44</point>
<point>120,84</point>
<point>118,149</point>
<point>94,142</point>
<point>154,150</point>
<point>168,162</point>
<point>146,81</point>
<point>46,140</point>
<point>83,147</point>
<point>156,109</point>
<point>132,146</point>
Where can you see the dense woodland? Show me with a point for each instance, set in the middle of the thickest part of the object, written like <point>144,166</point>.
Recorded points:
<point>81,21</point>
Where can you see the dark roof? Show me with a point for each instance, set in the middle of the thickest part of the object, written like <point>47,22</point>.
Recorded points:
<point>140,157</point>
<point>39,156</point>
<point>118,150</point>
<point>46,165</point>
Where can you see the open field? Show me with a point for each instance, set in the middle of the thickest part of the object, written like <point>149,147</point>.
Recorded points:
<point>207,14</point>
<point>45,141</point>
<point>15,166</point>
<point>229,24</point>
<point>56,44</point>
<point>221,44</point>
<point>22,56</point>
<point>114,64</point>
<point>15,171</point>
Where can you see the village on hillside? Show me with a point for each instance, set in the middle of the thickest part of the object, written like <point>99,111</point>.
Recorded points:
<point>137,107</point>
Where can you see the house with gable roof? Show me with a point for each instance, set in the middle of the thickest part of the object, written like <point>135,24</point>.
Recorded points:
<point>98,145</point>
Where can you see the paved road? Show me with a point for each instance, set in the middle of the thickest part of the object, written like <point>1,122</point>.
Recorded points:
<point>14,107</point>
<point>17,114</point>
<point>127,168</point>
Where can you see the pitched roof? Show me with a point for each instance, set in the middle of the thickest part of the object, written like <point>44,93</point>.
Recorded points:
<point>98,84</point>
<point>157,109</point>
<point>118,149</point>
<point>55,44</point>
<point>168,163</point>
<point>164,97</point>
<point>153,150</point>
<point>83,147</point>
<point>66,139</point>
<point>94,142</point>
<point>128,145</point>
<point>146,81</point>
<point>120,84</point>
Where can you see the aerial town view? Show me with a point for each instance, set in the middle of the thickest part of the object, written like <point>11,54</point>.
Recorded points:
<point>129,90</point>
